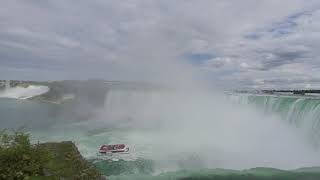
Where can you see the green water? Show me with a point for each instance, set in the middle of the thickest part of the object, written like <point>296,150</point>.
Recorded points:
<point>139,166</point>
<point>141,169</point>
<point>220,174</point>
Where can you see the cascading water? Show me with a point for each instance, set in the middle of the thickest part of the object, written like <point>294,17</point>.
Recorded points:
<point>20,92</point>
<point>301,112</point>
<point>187,130</point>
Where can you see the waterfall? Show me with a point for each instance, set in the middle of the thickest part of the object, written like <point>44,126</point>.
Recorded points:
<point>301,112</point>
<point>18,92</point>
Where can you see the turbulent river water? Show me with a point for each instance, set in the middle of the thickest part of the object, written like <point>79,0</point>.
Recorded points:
<point>174,135</point>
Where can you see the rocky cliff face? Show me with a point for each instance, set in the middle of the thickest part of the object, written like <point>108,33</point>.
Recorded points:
<point>67,163</point>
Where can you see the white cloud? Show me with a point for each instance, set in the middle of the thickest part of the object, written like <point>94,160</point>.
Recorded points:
<point>145,39</point>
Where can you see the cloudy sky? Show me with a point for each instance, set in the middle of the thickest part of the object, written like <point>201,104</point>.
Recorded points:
<point>247,43</point>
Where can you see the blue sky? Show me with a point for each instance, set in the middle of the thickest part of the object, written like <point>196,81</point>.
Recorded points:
<point>246,44</point>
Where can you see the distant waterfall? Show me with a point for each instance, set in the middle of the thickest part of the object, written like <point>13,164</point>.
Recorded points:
<point>301,112</point>
<point>20,92</point>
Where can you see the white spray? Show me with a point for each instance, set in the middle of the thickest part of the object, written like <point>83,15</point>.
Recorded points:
<point>198,129</point>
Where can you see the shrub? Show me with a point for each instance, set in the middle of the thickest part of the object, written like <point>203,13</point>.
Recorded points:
<point>19,159</point>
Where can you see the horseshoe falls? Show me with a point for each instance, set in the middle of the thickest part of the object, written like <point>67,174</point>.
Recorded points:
<point>302,112</point>
<point>176,135</point>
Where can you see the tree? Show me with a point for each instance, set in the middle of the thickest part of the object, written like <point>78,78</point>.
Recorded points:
<point>20,159</point>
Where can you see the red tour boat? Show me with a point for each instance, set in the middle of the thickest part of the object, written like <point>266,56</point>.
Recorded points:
<point>115,148</point>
